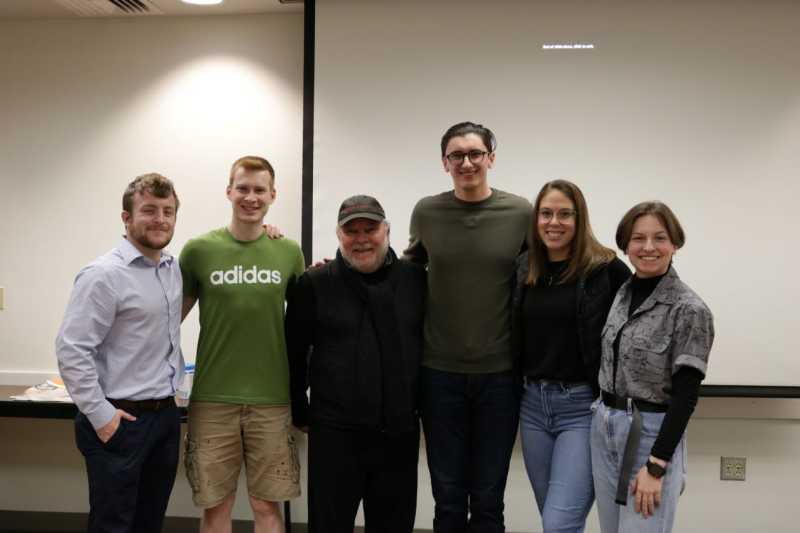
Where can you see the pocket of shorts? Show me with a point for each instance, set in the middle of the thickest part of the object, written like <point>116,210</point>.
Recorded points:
<point>295,473</point>
<point>283,461</point>
<point>189,449</point>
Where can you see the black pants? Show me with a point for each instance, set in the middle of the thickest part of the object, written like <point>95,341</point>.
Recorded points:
<point>346,467</point>
<point>131,476</point>
<point>470,423</point>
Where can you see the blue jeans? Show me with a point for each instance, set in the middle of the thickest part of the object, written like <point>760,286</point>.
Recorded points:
<point>555,421</point>
<point>470,423</point>
<point>610,429</point>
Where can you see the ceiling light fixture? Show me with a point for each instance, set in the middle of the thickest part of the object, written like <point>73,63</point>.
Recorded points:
<point>202,2</point>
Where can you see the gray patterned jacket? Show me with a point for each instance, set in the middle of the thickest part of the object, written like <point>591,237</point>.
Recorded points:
<point>673,327</point>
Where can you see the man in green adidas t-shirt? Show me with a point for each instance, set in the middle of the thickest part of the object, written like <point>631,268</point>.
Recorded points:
<point>239,410</point>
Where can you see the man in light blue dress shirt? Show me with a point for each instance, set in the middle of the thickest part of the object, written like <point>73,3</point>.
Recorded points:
<point>119,354</point>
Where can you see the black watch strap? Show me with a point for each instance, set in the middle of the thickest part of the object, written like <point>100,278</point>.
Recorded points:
<point>655,470</point>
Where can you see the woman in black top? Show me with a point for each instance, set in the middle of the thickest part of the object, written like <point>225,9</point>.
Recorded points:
<point>565,286</point>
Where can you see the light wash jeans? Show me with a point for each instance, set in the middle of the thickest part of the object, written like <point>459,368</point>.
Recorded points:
<point>555,421</point>
<point>610,429</point>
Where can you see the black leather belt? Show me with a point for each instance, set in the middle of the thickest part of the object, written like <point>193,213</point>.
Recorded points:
<point>143,405</point>
<point>563,384</point>
<point>634,436</point>
<point>618,402</point>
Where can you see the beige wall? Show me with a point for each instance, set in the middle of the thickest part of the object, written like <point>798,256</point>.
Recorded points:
<point>42,471</point>
<point>695,103</point>
<point>88,104</point>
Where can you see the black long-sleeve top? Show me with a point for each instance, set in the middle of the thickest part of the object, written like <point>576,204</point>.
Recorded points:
<point>551,343</point>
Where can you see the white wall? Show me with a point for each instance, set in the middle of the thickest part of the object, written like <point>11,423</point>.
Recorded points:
<point>87,105</point>
<point>693,103</point>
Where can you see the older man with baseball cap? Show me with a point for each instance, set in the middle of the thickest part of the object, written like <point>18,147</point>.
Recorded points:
<point>360,317</point>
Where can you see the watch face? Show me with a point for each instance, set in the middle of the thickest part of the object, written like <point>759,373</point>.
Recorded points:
<point>655,470</point>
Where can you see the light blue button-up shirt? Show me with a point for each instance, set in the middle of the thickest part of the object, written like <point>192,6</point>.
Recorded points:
<point>121,332</point>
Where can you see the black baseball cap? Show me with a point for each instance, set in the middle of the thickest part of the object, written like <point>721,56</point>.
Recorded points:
<point>361,206</point>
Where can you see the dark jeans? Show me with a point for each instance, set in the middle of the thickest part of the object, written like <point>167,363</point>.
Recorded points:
<point>131,475</point>
<point>470,423</point>
<point>345,467</point>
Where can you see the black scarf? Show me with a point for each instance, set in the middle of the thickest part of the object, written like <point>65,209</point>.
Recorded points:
<point>376,290</point>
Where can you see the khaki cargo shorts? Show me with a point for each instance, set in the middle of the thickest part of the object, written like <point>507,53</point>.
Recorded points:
<point>221,436</point>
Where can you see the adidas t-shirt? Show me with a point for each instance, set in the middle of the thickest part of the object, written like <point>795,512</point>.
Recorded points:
<point>241,287</point>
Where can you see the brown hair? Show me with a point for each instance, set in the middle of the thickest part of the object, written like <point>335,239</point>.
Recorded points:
<point>253,162</point>
<point>586,253</point>
<point>153,183</point>
<point>657,209</point>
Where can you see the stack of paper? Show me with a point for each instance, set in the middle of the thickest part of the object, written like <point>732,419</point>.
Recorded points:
<point>52,390</point>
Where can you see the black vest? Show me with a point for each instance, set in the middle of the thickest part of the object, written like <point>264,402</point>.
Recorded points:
<point>345,371</point>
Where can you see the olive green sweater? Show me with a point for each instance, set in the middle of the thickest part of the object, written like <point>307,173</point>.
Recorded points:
<point>469,249</point>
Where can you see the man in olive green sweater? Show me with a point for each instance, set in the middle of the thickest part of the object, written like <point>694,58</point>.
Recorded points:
<point>468,238</point>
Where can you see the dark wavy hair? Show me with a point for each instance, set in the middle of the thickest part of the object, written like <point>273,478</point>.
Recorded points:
<point>465,128</point>
<point>153,183</point>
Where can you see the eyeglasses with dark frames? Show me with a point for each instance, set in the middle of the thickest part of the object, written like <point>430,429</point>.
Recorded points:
<point>475,156</point>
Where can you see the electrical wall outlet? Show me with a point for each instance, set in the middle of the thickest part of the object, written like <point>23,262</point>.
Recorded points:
<point>732,468</point>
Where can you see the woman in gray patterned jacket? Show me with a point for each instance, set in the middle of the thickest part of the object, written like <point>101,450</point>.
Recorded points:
<point>656,344</point>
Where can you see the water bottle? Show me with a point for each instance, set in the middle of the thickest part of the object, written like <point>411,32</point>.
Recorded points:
<point>185,388</point>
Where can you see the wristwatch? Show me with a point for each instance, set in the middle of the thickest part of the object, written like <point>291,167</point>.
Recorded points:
<point>655,469</point>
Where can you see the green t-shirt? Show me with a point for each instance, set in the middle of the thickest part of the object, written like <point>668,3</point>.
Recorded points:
<point>469,249</point>
<point>241,287</point>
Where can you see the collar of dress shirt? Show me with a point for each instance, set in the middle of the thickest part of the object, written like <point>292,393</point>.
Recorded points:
<point>130,253</point>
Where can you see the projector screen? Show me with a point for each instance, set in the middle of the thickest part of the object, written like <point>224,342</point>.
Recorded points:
<point>696,104</point>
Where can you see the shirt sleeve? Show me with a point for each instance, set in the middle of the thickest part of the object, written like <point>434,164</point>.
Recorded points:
<point>299,328</point>
<point>186,262</point>
<point>694,335</point>
<point>89,316</point>
<point>415,252</point>
<point>300,264</point>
